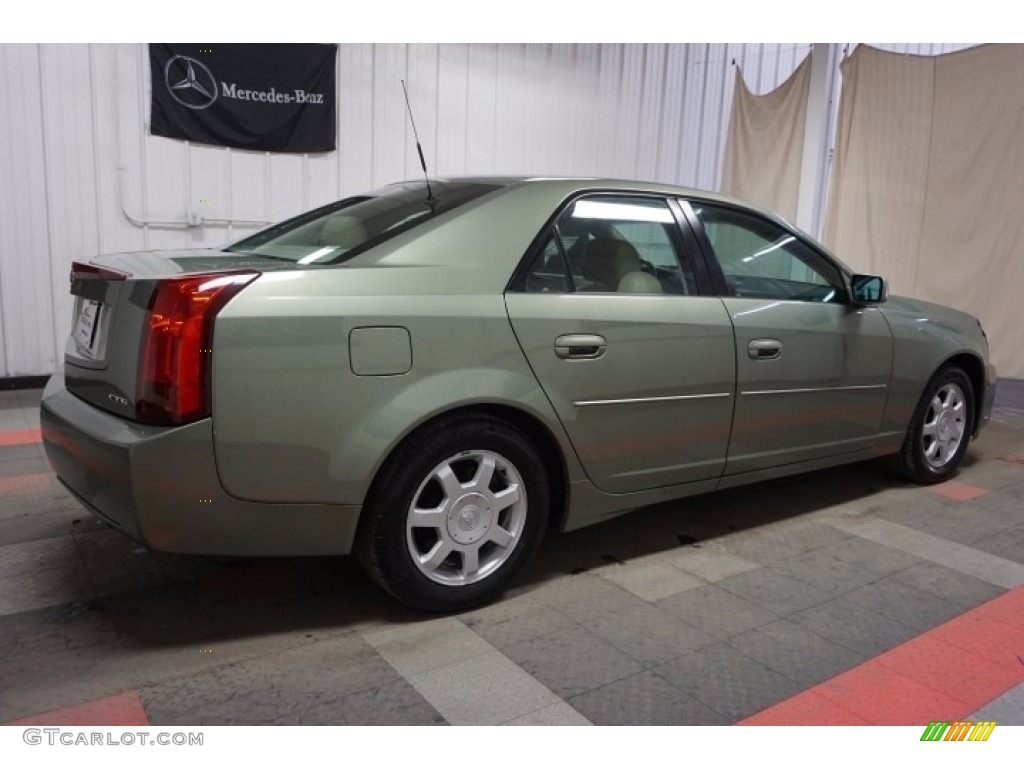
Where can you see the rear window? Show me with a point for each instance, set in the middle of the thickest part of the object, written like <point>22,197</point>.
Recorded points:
<point>341,230</point>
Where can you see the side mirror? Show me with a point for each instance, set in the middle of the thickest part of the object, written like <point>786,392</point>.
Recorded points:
<point>868,289</point>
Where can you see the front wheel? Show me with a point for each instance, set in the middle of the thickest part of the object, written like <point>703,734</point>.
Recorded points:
<point>940,428</point>
<point>455,514</point>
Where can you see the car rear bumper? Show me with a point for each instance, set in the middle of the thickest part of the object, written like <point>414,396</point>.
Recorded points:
<point>159,486</point>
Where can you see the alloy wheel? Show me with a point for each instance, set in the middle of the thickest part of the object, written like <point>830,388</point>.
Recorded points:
<point>466,518</point>
<point>945,422</point>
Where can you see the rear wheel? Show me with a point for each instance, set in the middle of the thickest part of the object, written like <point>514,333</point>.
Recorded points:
<point>455,514</point>
<point>940,429</point>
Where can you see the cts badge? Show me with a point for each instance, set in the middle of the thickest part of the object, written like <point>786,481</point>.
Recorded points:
<point>118,400</point>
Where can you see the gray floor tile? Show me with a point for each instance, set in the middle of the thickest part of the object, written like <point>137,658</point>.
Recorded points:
<point>648,634</point>
<point>717,612</point>
<point>959,588</point>
<point>909,502</point>
<point>1008,709</point>
<point>709,564</point>
<point>851,626</point>
<point>417,646</point>
<point>1008,544</point>
<point>23,459</point>
<point>962,522</point>
<point>32,415</point>
<point>782,540</point>
<point>37,574</point>
<point>572,661</point>
<point>117,564</point>
<point>507,622</point>
<point>19,506</point>
<point>57,634</point>
<point>274,686</point>
<point>900,603</point>
<point>960,557</point>
<point>489,689</point>
<point>555,714</point>
<point>12,419</point>
<point>992,474</point>
<point>1008,513</point>
<point>584,596</point>
<point>644,699</point>
<point>78,656</point>
<point>870,555</point>
<point>649,578</point>
<point>394,703</point>
<point>44,525</point>
<point>26,466</point>
<point>799,654</point>
<point>20,398</point>
<point>731,683</point>
<point>775,591</point>
<point>1006,503</point>
<point>821,569</point>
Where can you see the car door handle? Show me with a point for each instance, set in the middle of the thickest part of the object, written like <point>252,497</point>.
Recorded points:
<point>580,346</point>
<point>764,349</point>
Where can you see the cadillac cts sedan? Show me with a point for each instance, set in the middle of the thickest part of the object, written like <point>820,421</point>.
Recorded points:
<point>432,376</point>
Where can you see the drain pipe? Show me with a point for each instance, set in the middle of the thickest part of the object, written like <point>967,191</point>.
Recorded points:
<point>194,219</point>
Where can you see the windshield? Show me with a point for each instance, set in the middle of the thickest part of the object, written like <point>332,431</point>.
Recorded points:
<point>341,230</point>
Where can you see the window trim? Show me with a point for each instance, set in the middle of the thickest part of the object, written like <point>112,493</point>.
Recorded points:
<point>840,273</point>
<point>687,248</point>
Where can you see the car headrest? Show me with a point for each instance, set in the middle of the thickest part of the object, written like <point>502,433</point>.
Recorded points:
<point>342,232</point>
<point>640,282</point>
<point>607,261</point>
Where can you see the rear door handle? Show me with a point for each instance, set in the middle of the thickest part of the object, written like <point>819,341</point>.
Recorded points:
<point>764,349</point>
<point>580,346</point>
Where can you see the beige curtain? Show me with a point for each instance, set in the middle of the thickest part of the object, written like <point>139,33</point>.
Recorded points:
<point>765,143</point>
<point>928,182</point>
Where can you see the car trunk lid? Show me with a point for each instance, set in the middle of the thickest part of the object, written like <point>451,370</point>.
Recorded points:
<point>113,317</point>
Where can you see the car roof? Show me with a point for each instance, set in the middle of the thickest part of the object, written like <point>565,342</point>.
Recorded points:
<point>572,184</point>
<point>582,182</point>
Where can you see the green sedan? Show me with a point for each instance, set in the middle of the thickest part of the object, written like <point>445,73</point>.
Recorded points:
<point>431,377</point>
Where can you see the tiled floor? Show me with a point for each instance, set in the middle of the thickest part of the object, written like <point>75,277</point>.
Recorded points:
<point>829,597</point>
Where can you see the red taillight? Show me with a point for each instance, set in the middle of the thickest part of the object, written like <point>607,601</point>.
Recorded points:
<point>174,380</point>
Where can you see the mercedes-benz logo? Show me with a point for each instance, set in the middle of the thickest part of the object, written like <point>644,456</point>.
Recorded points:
<point>190,82</point>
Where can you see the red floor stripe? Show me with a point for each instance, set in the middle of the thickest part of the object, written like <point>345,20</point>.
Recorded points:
<point>813,709</point>
<point>20,437</point>
<point>957,491</point>
<point>944,674</point>
<point>26,483</point>
<point>122,709</point>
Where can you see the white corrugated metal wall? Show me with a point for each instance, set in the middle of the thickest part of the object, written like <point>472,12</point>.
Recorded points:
<point>73,127</point>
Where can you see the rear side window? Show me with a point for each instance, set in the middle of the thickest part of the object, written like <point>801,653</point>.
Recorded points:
<point>608,244</point>
<point>341,230</point>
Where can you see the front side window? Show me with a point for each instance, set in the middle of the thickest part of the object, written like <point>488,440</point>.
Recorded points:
<point>341,230</point>
<point>610,244</point>
<point>761,260</point>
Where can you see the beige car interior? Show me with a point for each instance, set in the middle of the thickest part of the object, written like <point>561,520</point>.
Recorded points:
<point>615,266</point>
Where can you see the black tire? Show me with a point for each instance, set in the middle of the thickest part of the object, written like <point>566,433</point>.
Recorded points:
<point>911,461</point>
<point>381,543</point>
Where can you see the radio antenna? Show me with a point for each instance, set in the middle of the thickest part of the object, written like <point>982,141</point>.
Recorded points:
<point>419,148</point>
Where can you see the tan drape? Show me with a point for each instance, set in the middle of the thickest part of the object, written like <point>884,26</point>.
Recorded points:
<point>928,182</point>
<point>765,143</point>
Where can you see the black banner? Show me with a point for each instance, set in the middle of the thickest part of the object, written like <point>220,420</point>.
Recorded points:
<point>277,97</point>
